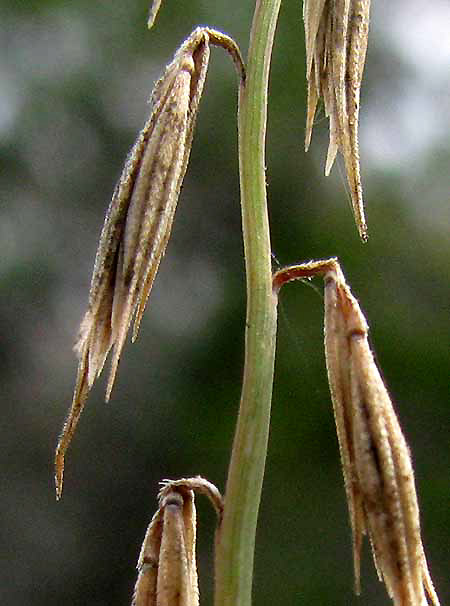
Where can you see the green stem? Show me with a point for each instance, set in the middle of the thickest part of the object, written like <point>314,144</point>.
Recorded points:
<point>236,541</point>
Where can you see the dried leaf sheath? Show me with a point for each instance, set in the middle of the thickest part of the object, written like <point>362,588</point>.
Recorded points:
<point>378,473</point>
<point>139,220</point>
<point>336,33</point>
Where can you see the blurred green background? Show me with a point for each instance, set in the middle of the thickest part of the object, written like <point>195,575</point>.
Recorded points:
<point>75,78</point>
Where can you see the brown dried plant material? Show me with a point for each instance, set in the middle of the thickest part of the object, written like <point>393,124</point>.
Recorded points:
<point>167,567</point>
<point>336,34</point>
<point>167,564</point>
<point>378,473</point>
<point>139,220</point>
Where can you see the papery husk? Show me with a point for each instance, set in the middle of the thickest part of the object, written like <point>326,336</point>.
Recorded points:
<point>376,462</point>
<point>336,35</point>
<point>167,570</point>
<point>139,220</point>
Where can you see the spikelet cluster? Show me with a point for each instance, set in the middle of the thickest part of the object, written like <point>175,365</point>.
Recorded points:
<point>167,570</point>
<point>139,220</point>
<point>336,34</point>
<point>376,462</point>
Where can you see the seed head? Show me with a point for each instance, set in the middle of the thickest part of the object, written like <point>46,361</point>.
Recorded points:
<point>336,34</point>
<point>139,220</point>
<point>167,562</point>
<point>377,467</point>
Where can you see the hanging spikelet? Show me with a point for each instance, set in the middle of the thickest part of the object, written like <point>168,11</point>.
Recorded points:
<point>377,467</point>
<point>167,571</point>
<point>336,33</point>
<point>139,220</point>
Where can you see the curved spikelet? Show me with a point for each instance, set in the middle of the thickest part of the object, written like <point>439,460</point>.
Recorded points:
<point>167,570</point>
<point>139,220</point>
<point>376,462</point>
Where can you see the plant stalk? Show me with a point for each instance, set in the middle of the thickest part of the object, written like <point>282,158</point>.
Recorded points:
<point>236,539</point>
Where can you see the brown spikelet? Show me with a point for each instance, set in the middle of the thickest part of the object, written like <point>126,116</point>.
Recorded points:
<point>139,220</point>
<point>167,563</point>
<point>336,33</point>
<point>378,473</point>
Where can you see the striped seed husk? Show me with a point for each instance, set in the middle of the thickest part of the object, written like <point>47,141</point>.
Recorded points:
<point>139,220</point>
<point>376,463</point>
<point>336,35</point>
<point>377,467</point>
<point>167,571</point>
<point>167,565</point>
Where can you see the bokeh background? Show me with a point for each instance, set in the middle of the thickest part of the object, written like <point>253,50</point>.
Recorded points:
<point>75,78</point>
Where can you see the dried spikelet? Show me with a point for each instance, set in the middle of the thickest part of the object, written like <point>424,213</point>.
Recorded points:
<point>139,220</point>
<point>336,33</point>
<point>167,564</point>
<point>378,473</point>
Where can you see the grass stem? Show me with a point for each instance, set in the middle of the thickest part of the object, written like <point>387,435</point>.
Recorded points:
<point>236,541</point>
